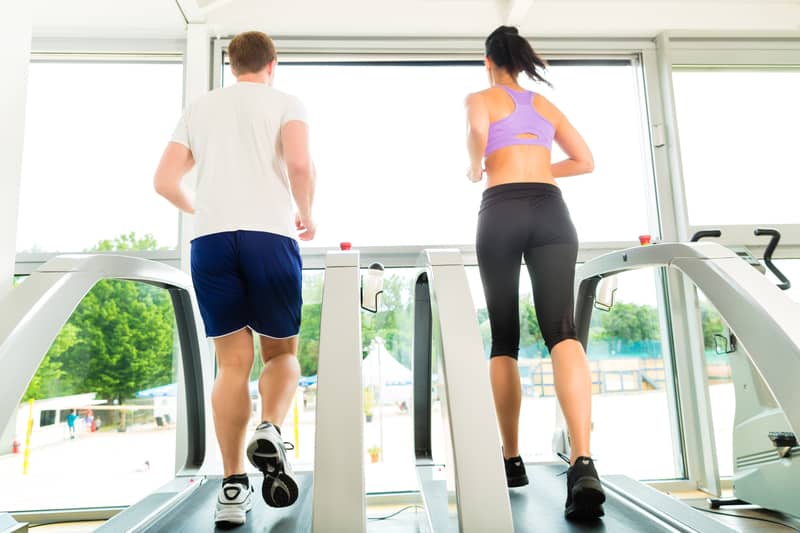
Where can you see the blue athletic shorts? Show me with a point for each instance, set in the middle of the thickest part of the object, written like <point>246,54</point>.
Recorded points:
<point>248,279</point>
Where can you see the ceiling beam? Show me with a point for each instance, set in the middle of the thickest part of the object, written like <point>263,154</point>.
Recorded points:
<point>196,11</point>
<point>191,11</point>
<point>514,11</point>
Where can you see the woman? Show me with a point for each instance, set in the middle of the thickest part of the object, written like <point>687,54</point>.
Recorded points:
<point>524,215</point>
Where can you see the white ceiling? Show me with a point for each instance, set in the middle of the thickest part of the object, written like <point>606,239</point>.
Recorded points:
<point>429,18</point>
<point>106,18</point>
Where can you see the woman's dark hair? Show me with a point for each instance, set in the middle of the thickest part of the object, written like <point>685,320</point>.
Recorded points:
<point>509,50</point>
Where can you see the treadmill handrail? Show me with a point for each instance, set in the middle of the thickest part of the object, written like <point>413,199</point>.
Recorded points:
<point>339,488</point>
<point>442,296</point>
<point>765,320</point>
<point>34,312</point>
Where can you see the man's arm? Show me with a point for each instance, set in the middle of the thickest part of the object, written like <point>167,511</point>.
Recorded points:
<point>302,176</point>
<point>176,161</point>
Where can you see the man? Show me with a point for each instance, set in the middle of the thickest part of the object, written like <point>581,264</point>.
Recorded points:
<point>71,418</point>
<point>250,145</point>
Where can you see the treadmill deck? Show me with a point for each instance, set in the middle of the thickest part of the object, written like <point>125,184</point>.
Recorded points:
<point>196,513</point>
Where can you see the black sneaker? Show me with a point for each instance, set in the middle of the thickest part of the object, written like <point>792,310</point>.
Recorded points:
<point>515,472</point>
<point>585,494</point>
<point>267,452</point>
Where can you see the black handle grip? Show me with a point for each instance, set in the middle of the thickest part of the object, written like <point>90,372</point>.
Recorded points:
<point>775,237</point>
<point>702,234</point>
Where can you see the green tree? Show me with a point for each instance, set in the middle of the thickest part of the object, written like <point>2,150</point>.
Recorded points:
<point>308,349</point>
<point>712,323</point>
<point>119,339</point>
<point>127,242</point>
<point>125,340</point>
<point>393,322</point>
<point>628,323</point>
<point>530,334</point>
<point>531,340</point>
<point>47,382</point>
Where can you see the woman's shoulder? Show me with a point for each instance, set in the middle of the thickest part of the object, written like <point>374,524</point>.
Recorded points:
<point>547,109</point>
<point>540,99</point>
<point>481,97</point>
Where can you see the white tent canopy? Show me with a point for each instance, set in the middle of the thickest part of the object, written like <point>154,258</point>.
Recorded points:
<point>380,368</point>
<point>390,380</point>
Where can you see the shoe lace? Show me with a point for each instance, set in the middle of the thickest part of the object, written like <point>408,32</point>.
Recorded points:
<point>564,457</point>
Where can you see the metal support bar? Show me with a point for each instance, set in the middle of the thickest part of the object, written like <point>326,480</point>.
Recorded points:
<point>339,504</point>
<point>423,338</point>
<point>481,493</point>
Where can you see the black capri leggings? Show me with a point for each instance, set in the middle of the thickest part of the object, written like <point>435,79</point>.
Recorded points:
<point>527,220</point>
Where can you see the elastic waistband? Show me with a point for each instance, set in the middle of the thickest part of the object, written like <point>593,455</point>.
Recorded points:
<point>520,190</point>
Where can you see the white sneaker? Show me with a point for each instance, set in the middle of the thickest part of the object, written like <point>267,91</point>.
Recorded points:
<point>233,502</point>
<point>267,452</point>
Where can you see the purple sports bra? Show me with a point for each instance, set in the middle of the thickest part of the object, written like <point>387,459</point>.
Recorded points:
<point>524,119</point>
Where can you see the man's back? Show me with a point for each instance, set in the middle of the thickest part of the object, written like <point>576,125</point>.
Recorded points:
<point>235,137</point>
<point>249,143</point>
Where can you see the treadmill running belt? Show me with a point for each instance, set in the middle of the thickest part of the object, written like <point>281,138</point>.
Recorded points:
<point>196,513</point>
<point>540,507</point>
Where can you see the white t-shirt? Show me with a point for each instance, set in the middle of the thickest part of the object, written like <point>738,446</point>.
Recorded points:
<point>235,137</point>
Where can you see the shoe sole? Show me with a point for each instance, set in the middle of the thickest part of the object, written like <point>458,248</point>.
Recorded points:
<point>230,518</point>
<point>517,481</point>
<point>279,488</point>
<point>227,524</point>
<point>587,500</point>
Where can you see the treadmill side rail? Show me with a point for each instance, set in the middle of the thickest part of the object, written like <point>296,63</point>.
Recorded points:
<point>339,503</point>
<point>481,492</point>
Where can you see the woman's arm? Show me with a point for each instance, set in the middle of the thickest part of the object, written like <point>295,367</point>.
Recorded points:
<point>580,160</point>
<point>477,134</point>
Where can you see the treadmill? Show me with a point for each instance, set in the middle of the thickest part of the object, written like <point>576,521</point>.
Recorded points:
<point>472,473</point>
<point>332,498</point>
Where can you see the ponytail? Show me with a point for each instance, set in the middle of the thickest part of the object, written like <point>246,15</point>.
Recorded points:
<point>509,50</point>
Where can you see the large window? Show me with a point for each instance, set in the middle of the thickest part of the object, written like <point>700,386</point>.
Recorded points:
<point>629,365</point>
<point>389,146</point>
<point>102,406</point>
<point>720,383</point>
<point>93,137</point>
<point>738,143</point>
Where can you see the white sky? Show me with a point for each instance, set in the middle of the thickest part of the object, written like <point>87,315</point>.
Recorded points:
<point>739,143</point>
<point>93,137</point>
<point>389,147</point>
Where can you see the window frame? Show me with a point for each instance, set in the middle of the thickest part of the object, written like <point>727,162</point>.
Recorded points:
<point>740,52</point>
<point>114,51</point>
<point>655,57</point>
<point>704,51</point>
